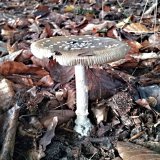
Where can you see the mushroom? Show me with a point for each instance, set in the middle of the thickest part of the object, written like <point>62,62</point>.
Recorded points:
<point>80,51</point>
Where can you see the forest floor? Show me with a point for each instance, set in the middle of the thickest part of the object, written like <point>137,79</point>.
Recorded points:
<point>37,96</point>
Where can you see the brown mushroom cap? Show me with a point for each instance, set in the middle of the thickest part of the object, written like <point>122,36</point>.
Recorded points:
<point>84,50</point>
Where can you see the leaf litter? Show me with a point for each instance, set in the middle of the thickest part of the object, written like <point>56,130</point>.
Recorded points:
<point>38,96</point>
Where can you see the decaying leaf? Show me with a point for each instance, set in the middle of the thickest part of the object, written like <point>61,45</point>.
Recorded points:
<point>3,48</point>
<point>69,8</point>
<point>101,84</point>
<point>143,103</point>
<point>62,116</point>
<point>6,94</point>
<point>100,111</point>
<point>150,91</point>
<point>46,139</point>
<point>10,57</point>
<point>60,73</point>
<point>48,97</point>
<point>144,56</point>
<point>41,10</point>
<point>71,95</point>
<point>11,67</point>
<point>124,22</point>
<point>136,28</point>
<point>91,27</point>
<point>130,151</point>
<point>35,153</point>
<point>46,81</point>
<point>154,40</point>
<point>8,31</point>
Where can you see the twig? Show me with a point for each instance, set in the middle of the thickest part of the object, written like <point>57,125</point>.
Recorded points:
<point>9,141</point>
<point>150,10</point>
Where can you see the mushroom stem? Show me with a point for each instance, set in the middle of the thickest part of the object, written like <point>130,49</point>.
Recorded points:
<point>83,124</point>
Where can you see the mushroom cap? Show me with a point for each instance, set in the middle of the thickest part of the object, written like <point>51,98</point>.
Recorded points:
<point>82,50</point>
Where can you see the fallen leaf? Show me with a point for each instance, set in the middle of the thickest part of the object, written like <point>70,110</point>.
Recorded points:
<point>61,94</point>
<point>3,48</point>
<point>144,56</point>
<point>71,95</point>
<point>124,22</point>
<point>100,111</point>
<point>62,116</point>
<point>136,28</point>
<point>47,31</point>
<point>62,74</point>
<point>143,103</point>
<point>92,27</point>
<point>101,84</point>
<point>34,27</point>
<point>40,62</point>
<point>154,40</point>
<point>6,94</point>
<point>40,72</point>
<point>49,134</point>
<point>11,67</point>
<point>8,31</point>
<point>130,151</point>
<point>45,81</point>
<point>41,10</point>
<point>10,57</point>
<point>69,8</point>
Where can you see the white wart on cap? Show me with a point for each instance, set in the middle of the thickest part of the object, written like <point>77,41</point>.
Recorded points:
<point>83,50</point>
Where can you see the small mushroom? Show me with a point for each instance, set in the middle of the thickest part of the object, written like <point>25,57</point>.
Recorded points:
<point>80,51</point>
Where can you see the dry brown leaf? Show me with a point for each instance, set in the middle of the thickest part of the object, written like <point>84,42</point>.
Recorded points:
<point>62,74</point>
<point>46,81</point>
<point>21,79</point>
<point>154,40</point>
<point>124,22</point>
<point>6,94</point>
<point>111,32</point>
<point>12,48</point>
<point>82,24</point>
<point>40,62</point>
<point>49,134</point>
<point>25,80</point>
<point>3,48</point>
<point>35,153</point>
<point>47,31</point>
<point>136,28</point>
<point>130,151</point>
<point>100,111</point>
<point>61,94</point>
<point>10,57</point>
<point>143,103</point>
<point>24,56</point>
<point>12,67</point>
<point>101,84</point>
<point>144,56</point>
<point>8,31</point>
<point>106,8</point>
<point>62,115</point>
<point>41,10</point>
<point>35,28</point>
<point>71,95</point>
<point>92,27</point>
<point>40,72</point>
<point>134,50</point>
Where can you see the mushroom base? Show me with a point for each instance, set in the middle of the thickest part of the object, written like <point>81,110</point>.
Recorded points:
<point>83,125</point>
